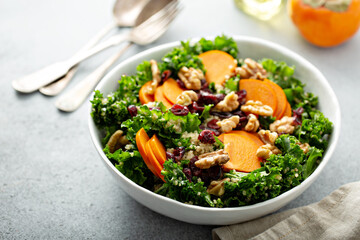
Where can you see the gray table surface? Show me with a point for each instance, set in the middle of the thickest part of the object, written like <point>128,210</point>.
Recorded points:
<point>52,182</point>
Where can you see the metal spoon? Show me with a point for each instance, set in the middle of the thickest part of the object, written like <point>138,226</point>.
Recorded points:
<point>126,14</point>
<point>144,33</point>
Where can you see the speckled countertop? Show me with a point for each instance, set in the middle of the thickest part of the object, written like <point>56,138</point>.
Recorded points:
<point>52,182</point>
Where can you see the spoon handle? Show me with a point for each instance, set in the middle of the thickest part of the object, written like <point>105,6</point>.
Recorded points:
<point>49,74</point>
<point>73,98</point>
<point>56,87</point>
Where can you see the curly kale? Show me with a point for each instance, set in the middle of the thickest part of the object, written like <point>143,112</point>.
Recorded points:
<point>131,164</point>
<point>222,43</point>
<point>266,121</point>
<point>110,111</point>
<point>232,84</point>
<point>167,126</point>
<point>178,187</point>
<point>187,54</point>
<point>282,74</point>
<point>277,174</point>
<point>249,188</point>
<point>315,130</point>
<point>289,145</point>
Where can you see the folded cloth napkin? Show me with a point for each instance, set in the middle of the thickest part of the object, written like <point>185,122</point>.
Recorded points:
<point>337,216</point>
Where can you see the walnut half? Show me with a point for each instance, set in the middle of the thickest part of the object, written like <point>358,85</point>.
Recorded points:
<point>284,125</point>
<point>186,98</point>
<point>117,141</point>
<point>267,136</point>
<point>210,159</point>
<point>156,78</point>
<point>217,187</point>
<point>252,124</point>
<point>265,151</point>
<point>229,103</point>
<point>191,77</point>
<point>257,108</point>
<point>251,69</point>
<point>228,124</point>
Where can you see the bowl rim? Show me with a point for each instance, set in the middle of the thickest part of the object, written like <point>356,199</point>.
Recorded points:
<point>327,154</point>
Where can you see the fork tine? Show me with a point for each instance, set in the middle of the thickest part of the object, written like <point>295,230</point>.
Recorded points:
<point>160,14</point>
<point>156,30</point>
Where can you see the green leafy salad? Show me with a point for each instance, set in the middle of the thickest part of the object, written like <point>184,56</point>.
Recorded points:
<point>205,127</point>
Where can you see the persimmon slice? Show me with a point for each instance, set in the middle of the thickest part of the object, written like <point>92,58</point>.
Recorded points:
<point>153,160</point>
<point>253,136</point>
<point>242,152</point>
<point>280,96</point>
<point>171,90</point>
<point>288,111</point>
<point>158,149</point>
<point>141,139</point>
<point>144,96</point>
<point>159,97</point>
<point>258,90</point>
<point>218,64</point>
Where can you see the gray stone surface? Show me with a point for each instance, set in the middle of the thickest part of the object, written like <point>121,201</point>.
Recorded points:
<point>52,182</point>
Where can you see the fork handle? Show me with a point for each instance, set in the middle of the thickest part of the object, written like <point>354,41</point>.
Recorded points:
<point>73,98</point>
<point>49,74</point>
<point>56,87</point>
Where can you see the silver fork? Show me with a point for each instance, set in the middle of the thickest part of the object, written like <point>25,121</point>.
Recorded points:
<point>142,35</point>
<point>151,28</point>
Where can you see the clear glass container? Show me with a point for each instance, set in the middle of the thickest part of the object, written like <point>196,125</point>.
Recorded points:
<point>261,9</point>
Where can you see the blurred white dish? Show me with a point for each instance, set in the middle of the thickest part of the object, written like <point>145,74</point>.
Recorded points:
<point>248,47</point>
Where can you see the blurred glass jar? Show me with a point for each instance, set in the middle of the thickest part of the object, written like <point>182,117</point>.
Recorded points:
<point>261,9</point>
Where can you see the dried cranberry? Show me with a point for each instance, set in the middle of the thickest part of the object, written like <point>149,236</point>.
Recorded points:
<point>188,173</point>
<point>298,116</point>
<point>207,136</point>
<point>202,127</point>
<point>194,169</point>
<point>165,75</point>
<point>169,155</point>
<point>207,90</point>
<point>220,97</point>
<point>179,110</point>
<point>204,84</point>
<point>242,121</point>
<point>216,132</point>
<point>132,110</point>
<point>214,172</point>
<point>195,108</point>
<point>239,113</point>
<point>241,96</point>
<point>180,83</point>
<point>208,98</point>
<point>212,124</point>
<point>210,174</point>
<point>221,115</point>
<point>179,153</point>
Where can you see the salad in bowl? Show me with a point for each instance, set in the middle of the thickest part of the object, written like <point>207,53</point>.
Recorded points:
<point>209,126</point>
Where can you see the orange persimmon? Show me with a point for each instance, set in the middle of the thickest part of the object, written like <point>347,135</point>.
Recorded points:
<point>253,136</point>
<point>144,96</point>
<point>218,64</point>
<point>288,111</point>
<point>160,97</point>
<point>259,91</point>
<point>325,23</point>
<point>281,98</point>
<point>172,90</point>
<point>158,149</point>
<point>153,160</point>
<point>242,153</point>
<point>141,139</point>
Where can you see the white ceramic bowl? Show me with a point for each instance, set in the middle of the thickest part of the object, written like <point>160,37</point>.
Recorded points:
<point>248,47</point>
